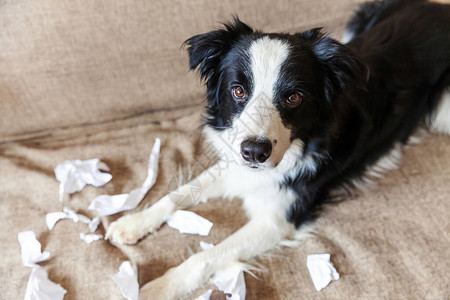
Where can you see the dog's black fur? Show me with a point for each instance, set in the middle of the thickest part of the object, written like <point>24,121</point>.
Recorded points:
<point>406,48</point>
<point>360,99</point>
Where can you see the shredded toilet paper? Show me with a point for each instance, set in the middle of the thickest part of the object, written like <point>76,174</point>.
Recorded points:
<point>189,222</point>
<point>204,296</point>
<point>73,175</point>
<point>52,218</point>
<point>321,270</point>
<point>31,249</point>
<point>231,281</point>
<point>108,205</point>
<point>90,237</point>
<point>206,246</point>
<point>39,287</point>
<point>127,280</point>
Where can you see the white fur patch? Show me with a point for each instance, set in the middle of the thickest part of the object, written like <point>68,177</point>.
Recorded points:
<point>347,36</point>
<point>440,120</point>
<point>267,55</point>
<point>260,118</point>
<point>389,162</point>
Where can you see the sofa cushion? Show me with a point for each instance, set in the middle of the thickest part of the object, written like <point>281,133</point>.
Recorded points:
<point>76,62</point>
<point>390,242</point>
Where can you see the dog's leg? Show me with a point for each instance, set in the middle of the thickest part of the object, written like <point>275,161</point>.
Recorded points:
<point>255,238</point>
<point>130,228</point>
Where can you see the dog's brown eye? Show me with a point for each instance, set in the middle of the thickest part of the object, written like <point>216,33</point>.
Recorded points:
<point>239,93</point>
<point>294,99</point>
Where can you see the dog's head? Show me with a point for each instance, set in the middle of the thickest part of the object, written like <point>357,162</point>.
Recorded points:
<point>268,93</point>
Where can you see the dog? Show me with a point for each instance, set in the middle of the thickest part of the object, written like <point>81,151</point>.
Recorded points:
<point>301,117</point>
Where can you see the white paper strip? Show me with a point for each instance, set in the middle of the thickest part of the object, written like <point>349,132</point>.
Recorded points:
<point>231,281</point>
<point>204,296</point>
<point>39,287</point>
<point>91,237</point>
<point>188,222</point>
<point>53,217</point>
<point>205,245</point>
<point>74,175</point>
<point>67,213</point>
<point>321,270</point>
<point>127,280</point>
<point>108,205</point>
<point>93,224</point>
<point>31,249</point>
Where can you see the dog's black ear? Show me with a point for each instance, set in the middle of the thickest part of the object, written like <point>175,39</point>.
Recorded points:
<point>341,66</point>
<point>206,50</point>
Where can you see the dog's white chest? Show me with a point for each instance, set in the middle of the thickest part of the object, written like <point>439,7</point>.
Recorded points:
<point>260,191</point>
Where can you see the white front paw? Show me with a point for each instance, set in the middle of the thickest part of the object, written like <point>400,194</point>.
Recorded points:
<point>131,228</point>
<point>165,287</point>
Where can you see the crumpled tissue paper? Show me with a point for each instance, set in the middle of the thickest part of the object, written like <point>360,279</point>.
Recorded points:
<point>67,213</point>
<point>206,246</point>
<point>127,280</point>
<point>189,222</point>
<point>89,238</point>
<point>31,249</point>
<point>321,270</point>
<point>108,205</point>
<point>73,175</point>
<point>205,296</point>
<point>231,281</point>
<point>39,287</point>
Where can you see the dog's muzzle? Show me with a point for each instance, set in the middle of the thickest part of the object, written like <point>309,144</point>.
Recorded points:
<point>256,151</point>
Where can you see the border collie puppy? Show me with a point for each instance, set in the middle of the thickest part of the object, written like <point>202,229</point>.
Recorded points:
<point>298,116</point>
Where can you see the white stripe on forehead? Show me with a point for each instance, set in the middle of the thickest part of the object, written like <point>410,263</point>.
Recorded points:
<point>267,56</point>
<point>260,117</point>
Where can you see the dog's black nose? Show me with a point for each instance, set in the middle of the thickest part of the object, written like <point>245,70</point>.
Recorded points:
<point>256,151</point>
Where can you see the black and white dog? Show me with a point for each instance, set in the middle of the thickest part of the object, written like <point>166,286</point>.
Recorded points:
<point>302,115</point>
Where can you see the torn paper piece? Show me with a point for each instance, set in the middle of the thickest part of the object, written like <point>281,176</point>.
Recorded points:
<point>205,296</point>
<point>231,281</point>
<point>31,249</point>
<point>53,217</point>
<point>127,280</point>
<point>40,287</point>
<point>93,224</point>
<point>205,245</point>
<point>67,213</point>
<point>91,237</point>
<point>107,205</point>
<point>188,222</point>
<point>76,217</point>
<point>321,270</point>
<point>73,175</point>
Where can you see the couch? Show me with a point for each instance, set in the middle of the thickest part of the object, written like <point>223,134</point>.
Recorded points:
<point>101,79</point>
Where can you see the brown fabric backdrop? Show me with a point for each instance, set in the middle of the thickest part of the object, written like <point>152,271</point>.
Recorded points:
<point>84,79</point>
<point>73,62</point>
